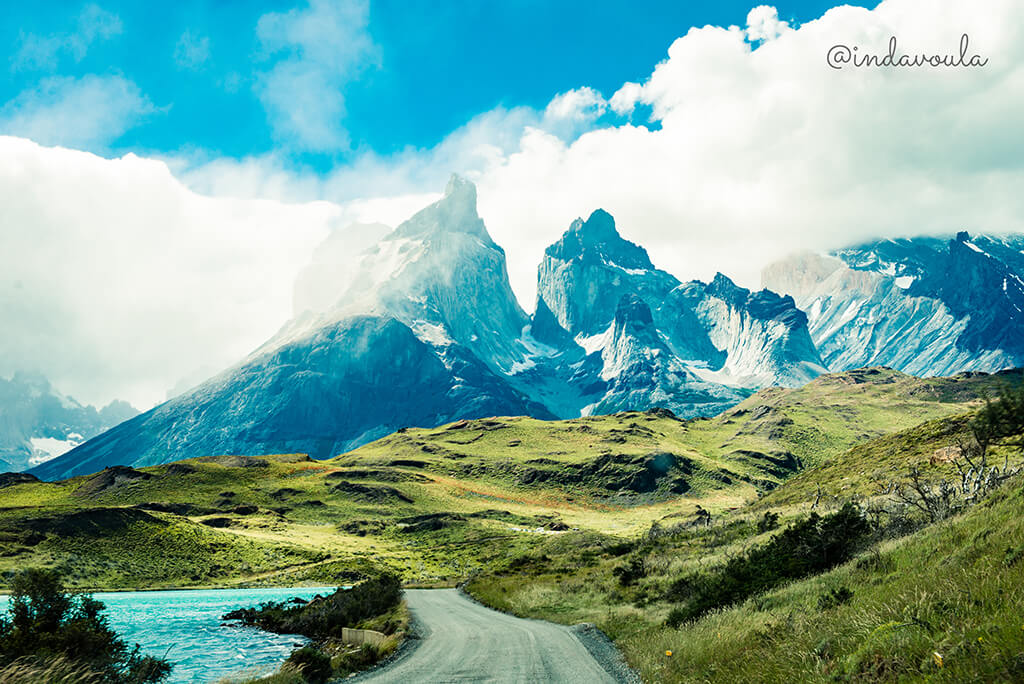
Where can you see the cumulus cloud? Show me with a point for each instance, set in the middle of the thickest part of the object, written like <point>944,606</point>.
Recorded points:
<point>314,52</point>
<point>755,148</point>
<point>92,24</point>
<point>625,98</point>
<point>573,112</point>
<point>763,24</point>
<point>117,281</point>
<point>88,112</point>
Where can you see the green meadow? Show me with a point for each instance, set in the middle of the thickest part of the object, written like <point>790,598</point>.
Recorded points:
<point>596,520</point>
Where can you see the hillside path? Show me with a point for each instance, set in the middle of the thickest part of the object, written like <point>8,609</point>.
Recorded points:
<point>462,641</point>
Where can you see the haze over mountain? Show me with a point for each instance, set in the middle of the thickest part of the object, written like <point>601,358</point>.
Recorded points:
<point>423,328</point>
<point>38,423</point>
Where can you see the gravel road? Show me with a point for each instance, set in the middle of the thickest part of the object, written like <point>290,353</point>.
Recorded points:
<point>460,640</point>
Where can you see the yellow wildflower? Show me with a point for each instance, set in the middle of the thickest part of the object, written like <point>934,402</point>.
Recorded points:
<point>937,657</point>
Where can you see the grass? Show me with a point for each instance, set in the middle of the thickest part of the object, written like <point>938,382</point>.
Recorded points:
<point>591,520</point>
<point>942,604</point>
<point>500,488</point>
<point>953,589</point>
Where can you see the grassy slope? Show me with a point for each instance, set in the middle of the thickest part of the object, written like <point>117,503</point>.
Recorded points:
<point>955,589</point>
<point>494,485</point>
<point>936,591</point>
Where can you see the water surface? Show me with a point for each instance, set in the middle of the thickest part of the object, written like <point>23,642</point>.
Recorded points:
<point>185,627</point>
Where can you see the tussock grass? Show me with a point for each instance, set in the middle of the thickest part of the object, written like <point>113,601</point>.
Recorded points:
<point>50,671</point>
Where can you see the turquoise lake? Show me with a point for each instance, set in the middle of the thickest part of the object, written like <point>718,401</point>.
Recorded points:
<point>186,626</point>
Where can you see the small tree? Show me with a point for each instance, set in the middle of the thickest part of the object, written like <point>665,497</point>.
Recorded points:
<point>1001,422</point>
<point>47,623</point>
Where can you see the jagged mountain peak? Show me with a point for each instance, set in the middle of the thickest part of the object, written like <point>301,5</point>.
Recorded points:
<point>38,423</point>
<point>599,227</point>
<point>761,304</point>
<point>598,240</point>
<point>455,212</point>
<point>723,287</point>
<point>461,188</point>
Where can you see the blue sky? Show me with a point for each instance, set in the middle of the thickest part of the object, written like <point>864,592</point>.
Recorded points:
<point>404,73</point>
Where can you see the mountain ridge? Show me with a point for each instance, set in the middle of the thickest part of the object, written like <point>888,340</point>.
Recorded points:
<point>610,332</point>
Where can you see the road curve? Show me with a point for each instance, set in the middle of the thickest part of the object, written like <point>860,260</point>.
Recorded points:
<point>462,641</point>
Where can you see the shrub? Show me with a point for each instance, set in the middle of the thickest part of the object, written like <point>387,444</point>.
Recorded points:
<point>313,664</point>
<point>354,661</point>
<point>810,546</point>
<point>324,617</point>
<point>47,628</point>
<point>676,617</point>
<point>769,522</point>
<point>631,572</point>
<point>834,598</point>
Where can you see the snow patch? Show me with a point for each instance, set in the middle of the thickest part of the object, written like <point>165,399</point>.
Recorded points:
<point>905,281</point>
<point>432,333</point>
<point>596,342</point>
<point>47,448</point>
<point>815,311</point>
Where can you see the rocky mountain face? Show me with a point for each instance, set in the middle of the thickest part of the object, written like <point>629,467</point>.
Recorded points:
<point>422,328</point>
<point>406,342</point>
<point>925,306</point>
<point>37,423</point>
<point>693,347</point>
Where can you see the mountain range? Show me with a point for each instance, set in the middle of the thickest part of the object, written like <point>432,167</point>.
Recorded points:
<point>37,423</point>
<point>422,328</point>
<point>924,306</point>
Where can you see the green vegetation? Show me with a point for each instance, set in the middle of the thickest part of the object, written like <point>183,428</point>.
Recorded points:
<point>739,543</point>
<point>324,617</point>
<point>374,604</point>
<point>914,600</point>
<point>49,632</point>
<point>806,547</point>
<point>437,505</point>
<point>312,664</point>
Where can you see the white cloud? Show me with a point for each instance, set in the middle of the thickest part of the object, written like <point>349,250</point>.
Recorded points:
<point>580,104</point>
<point>192,50</point>
<point>315,52</point>
<point>625,98</point>
<point>763,24</point>
<point>44,52</point>
<point>753,152</point>
<point>117,281</point>
<point>88,112</point>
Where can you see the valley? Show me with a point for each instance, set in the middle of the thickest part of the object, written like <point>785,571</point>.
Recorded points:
<point>583,520</point>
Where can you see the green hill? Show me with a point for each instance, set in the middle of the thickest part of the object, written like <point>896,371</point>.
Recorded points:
<point>439,504</point>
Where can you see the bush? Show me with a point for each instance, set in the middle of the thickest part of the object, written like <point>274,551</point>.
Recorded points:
<point>769,522</point>
<point>834,598</point>
<point>804,548</point>
<point>313,664</point>
<point>676,617</point>
<point>46,624</point>
<point>355,661</point>
<point>631,572</point>
<point>324,617</point>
